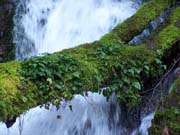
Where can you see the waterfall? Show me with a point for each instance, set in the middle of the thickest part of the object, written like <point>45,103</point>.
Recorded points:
<point>52,25</point>
<point>145,125</point>
<point>90,115</point>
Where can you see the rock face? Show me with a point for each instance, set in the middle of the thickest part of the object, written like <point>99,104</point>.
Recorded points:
<point>6,26</point>
<point>168,114</point>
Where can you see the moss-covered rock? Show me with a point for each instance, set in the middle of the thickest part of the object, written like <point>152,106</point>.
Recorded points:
<point>175,15</point>
<point>168,114</point>
<point>169,108</point>
<point>136,24</point>
<point>14,99</point>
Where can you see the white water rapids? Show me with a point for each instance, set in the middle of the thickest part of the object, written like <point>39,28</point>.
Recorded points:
<point>91,115</point>
<point>52,25</point>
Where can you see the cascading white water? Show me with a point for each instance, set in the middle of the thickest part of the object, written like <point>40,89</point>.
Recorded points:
<point>145,125</point>
<point>53,25</point>
<point>90,115</point>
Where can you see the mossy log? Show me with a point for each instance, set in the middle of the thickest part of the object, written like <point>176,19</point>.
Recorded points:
<point>91,66</point>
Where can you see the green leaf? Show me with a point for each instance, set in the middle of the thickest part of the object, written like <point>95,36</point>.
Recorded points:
<point>49,80</point>
<point>177,111</point>
<point>158,61</point>
<point>146,67</point>
<point>131,71</point>
<point>159,52</point>
<point>137,85</point>
<point>126,80</point>
<point>24,99</point>
<point>76,74</point>
<point>58,86</point>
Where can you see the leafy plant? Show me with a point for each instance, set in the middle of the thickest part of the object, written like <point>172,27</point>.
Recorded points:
<point>60,76</point>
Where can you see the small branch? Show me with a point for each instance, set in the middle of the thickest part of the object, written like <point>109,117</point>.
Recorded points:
<point>163,78</point>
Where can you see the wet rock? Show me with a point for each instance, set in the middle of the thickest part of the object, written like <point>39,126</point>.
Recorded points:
<point>177,72</point>
<point>10,122</point>
<point>165,131</point>
<point>7,9</point>
<point>167,117</point>
<point>152,26</point>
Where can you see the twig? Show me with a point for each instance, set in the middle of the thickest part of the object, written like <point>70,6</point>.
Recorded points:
<point>165,75</point>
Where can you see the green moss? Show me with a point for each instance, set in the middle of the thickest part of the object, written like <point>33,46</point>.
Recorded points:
<point>8,86</point>
<point>174,87</point>
<point>175,16</point>
<point>109,39</point>
<point>168,36</point>
<point>169,113</point>
<point>8,72</point>
<point>169,117</point>
<point>135,24</point>
<point>13,100</point>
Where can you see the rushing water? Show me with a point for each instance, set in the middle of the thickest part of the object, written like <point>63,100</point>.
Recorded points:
<point>145,125</point>
<point>52,25</point>
<point>91,115</point>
